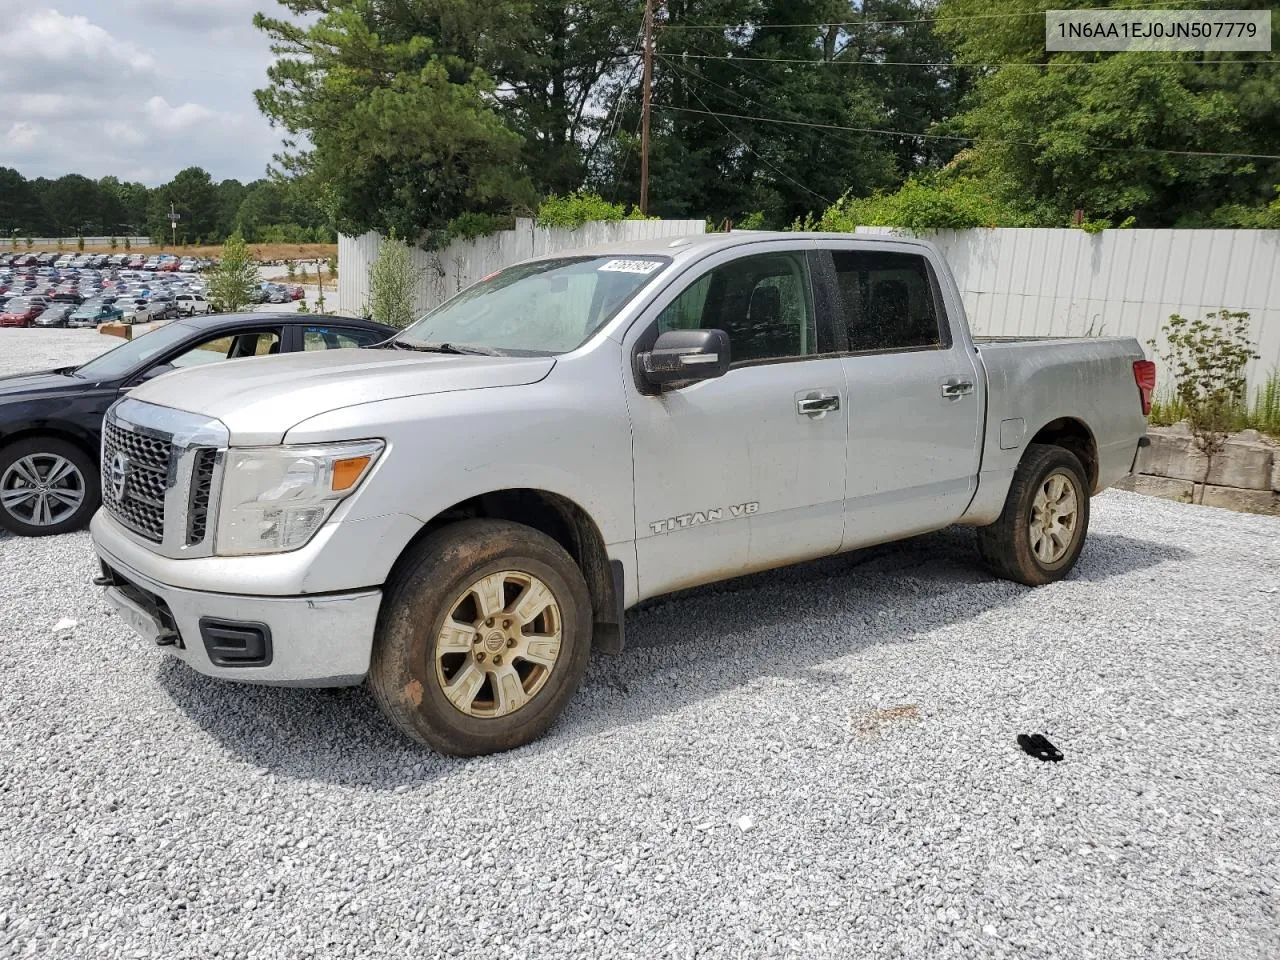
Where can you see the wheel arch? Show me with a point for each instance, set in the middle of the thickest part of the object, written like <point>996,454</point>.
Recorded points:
<point>1074,435</point>
<point>564,521</point>
<point>87,444</point>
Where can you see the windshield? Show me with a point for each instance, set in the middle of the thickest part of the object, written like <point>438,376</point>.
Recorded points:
<point>544,307</point>
<point>133,353</point>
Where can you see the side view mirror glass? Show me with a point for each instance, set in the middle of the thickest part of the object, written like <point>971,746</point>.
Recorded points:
<point>681,357</point>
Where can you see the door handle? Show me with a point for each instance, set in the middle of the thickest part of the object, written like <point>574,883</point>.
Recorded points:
<point>955,389</point>
<point>815,405</point>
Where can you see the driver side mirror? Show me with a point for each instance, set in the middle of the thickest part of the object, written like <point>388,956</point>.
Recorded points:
<point>682,357</point>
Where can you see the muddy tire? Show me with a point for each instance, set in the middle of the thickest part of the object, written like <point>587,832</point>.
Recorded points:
<point>483,638</point>
<point>47,486</point>
<point>1045,520</point>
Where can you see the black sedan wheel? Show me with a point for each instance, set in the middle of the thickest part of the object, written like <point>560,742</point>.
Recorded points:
<point>47,486</point>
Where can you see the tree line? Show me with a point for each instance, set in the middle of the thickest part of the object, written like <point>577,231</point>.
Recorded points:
<point>443,119</point>
<point>267,210</point>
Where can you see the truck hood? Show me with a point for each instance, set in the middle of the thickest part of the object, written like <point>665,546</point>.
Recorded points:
<point>260,398</point>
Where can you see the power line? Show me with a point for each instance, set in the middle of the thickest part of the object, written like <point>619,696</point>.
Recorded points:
<point>886,23</point>
<point>935,136</point>
<point>952,65</point>
<point>791,180</point>
<point>738,95</point>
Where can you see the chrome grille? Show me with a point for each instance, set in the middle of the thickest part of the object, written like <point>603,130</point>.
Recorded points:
<point>201,488</point>
<point>140,506</point>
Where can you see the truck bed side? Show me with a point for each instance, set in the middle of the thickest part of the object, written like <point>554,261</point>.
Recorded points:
<point>1036,385</point>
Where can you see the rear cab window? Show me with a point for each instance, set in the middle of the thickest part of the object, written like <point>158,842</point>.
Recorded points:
<point>888,301</point>
<point>338,338</point>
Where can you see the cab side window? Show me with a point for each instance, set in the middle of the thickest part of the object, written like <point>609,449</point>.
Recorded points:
<point>338,338</point>
<point>763,302</point>
<point>888,301</point>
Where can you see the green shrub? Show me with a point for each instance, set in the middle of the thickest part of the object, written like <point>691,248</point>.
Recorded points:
<point>958,203</point>
<point>1207,360</point>
<point>391,281</point>
<point>576,209</point>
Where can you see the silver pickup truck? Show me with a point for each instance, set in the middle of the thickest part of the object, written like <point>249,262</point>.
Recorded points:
<point>461,515</point>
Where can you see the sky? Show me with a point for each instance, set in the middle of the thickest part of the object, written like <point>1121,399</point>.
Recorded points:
<point>138,89</point>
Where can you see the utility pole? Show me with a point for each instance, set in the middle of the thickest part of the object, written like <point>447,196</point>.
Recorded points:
<point>174,217</point>
<point>644,114</point>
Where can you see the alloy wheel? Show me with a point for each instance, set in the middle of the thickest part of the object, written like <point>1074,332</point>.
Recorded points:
<point>42,489</point>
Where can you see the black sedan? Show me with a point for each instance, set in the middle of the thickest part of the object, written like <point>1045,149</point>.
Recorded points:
<point>50,423</point>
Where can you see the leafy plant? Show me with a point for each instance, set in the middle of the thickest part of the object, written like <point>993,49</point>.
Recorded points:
<point>291,269</point>
<point>575,209</point>
<point>28,242</point>
<point>920,204</point>
<point>232,284</point>
<point>332,268</point>
<point>115,242</point>
<point>391,281</point>
<point>128,244</point>
<point>752,221</point>
<point>1207,359</point>
<point>80,242</point>
<point>1265,413</point>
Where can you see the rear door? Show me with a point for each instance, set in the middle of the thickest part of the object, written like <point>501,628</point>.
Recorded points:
<point>915,413</point>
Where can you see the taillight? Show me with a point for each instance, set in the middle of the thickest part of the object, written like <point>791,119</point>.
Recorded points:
<point>1144,374</point>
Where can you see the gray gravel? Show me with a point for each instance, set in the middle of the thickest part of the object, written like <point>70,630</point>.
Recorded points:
<point>22,351</point>
<point>860,711</point>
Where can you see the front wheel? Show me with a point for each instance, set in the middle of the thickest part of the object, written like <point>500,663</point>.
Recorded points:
<point>47,486</point>
<point>483,638</point>
<point>1042,529</point>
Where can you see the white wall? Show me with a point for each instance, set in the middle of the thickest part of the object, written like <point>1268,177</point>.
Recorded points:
<point>1049,282</point>
<point>442,273</point>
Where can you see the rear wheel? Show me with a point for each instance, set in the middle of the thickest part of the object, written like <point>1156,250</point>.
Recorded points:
<point>1042,529</point>
<point>483,638</point>
<point>47,486</point>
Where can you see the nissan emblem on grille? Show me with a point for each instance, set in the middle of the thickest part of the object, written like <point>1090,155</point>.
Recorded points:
<point>119,475</point>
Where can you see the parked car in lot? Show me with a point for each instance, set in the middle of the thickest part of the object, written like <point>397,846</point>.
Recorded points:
<point>55,315</point>
<point>20,311</point>
<point>191,303</point>
<point>461,515</point>
<point>94,312</point>
<point>50,423</point>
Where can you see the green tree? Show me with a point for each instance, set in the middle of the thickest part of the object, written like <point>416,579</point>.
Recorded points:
<point>232,284</point>
<point>1067,131</point>
<point>391,281</point>
<point>193,197</point>
<point>230,194</point>
<point>72,202</point>
<point>397,118</point>
<point>21,207</point>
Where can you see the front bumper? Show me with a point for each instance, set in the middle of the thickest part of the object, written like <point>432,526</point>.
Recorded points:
<point>314,641</point>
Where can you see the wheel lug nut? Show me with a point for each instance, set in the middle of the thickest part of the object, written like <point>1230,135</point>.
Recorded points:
<point>480,657</point>
<point>511,641</point>
<point>489,622</point>
<point>476,638</point>
<point>506,624</point>
<point>497,661</point>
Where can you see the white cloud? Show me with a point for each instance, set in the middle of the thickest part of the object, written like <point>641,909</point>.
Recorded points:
<point>179,118</point>
<point>21,135</point>
<point>99,89</point>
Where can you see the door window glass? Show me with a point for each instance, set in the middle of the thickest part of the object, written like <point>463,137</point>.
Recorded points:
<point>888,300</point>
<point>257,343</point>
<point>762,302</point>
<point>335,338</point>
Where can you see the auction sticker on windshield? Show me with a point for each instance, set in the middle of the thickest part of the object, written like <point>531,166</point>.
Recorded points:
<point>630,266</point>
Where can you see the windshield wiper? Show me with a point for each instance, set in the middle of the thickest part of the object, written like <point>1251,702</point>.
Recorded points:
<point>457,348</point>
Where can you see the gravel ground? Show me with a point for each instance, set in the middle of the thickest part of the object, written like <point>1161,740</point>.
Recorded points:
<point>22,351</point>
<point>860,711</point>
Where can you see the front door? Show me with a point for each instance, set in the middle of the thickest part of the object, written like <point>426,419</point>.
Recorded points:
<point>743,472</point>
<point>915,411</point>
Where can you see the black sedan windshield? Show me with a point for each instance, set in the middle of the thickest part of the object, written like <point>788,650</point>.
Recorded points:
<point>132,354</point>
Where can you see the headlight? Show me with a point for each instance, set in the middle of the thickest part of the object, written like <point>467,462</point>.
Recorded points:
<point>275,498</point>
